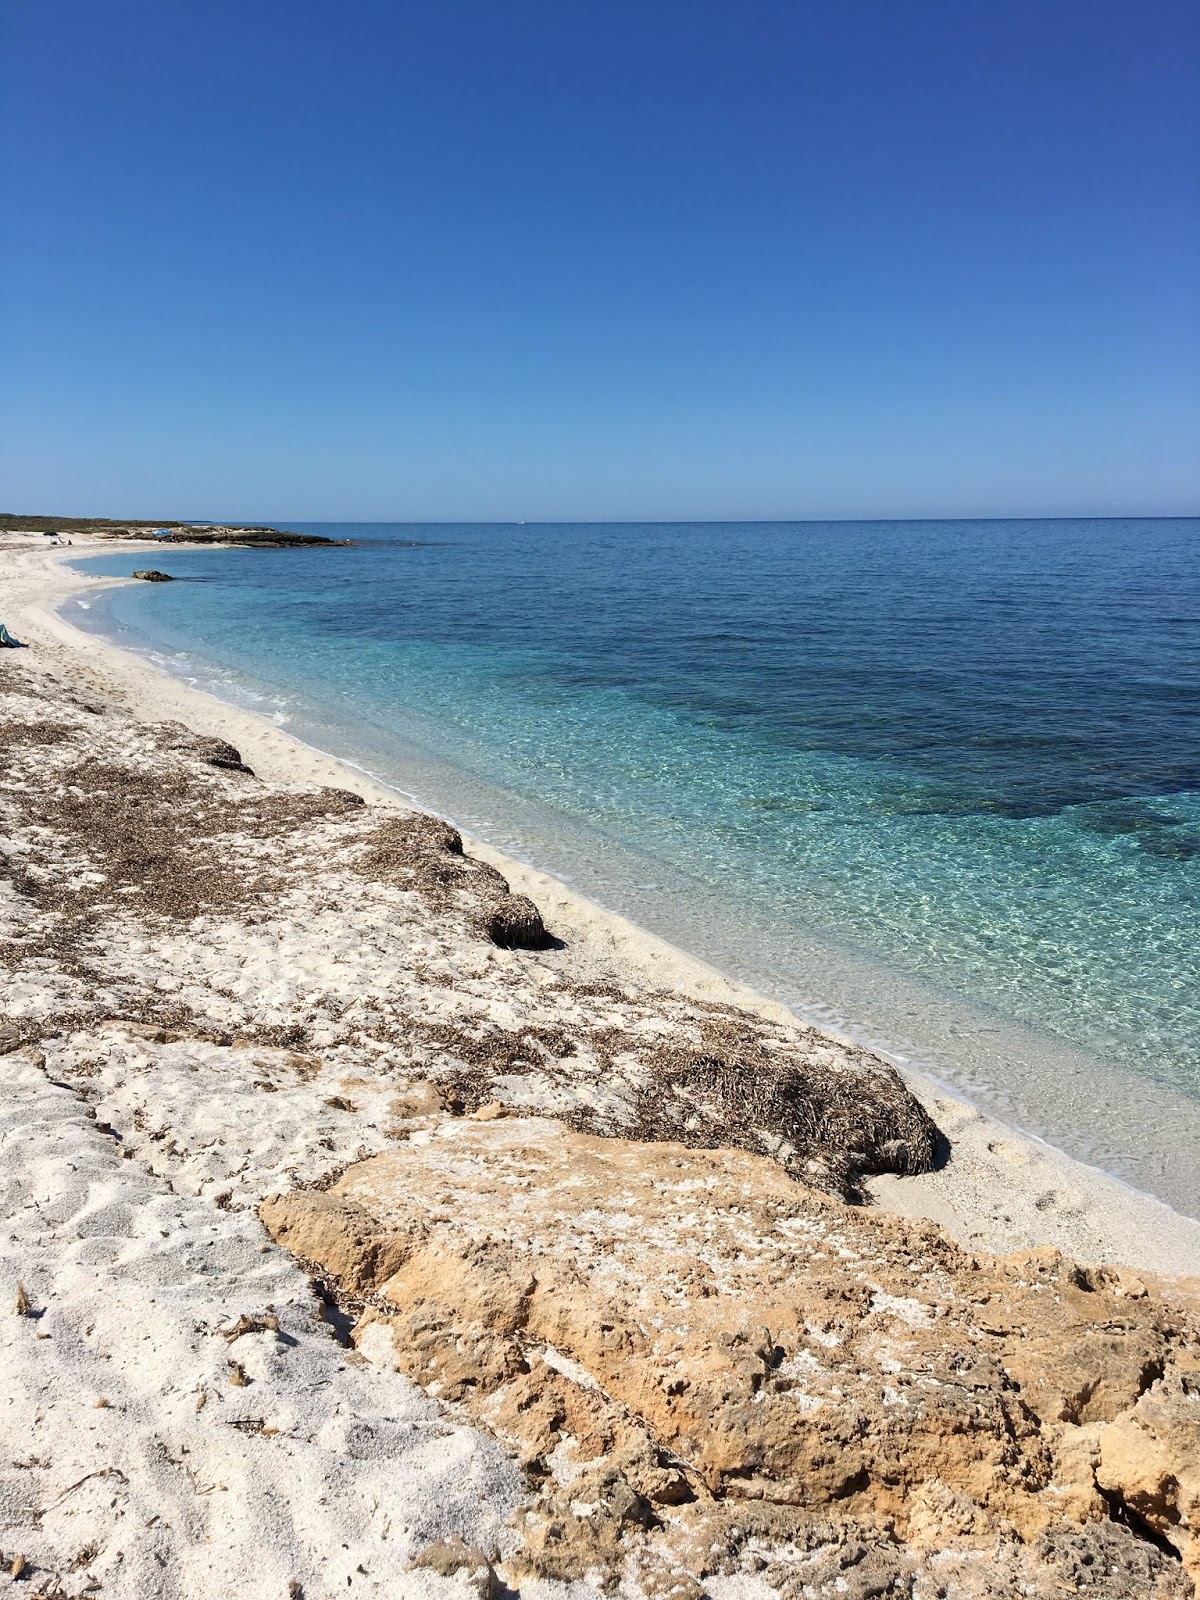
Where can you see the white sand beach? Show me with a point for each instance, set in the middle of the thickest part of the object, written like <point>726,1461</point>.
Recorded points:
<point>181,1417</point>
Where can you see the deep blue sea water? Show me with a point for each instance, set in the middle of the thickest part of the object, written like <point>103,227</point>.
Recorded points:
<point>938,783</point>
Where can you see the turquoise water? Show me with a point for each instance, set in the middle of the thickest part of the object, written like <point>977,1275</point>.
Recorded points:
<point>937,783</point>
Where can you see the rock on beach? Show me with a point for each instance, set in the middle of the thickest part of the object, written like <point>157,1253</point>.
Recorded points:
<point>697,1346</point>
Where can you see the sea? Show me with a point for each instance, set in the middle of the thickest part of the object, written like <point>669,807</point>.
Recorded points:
<point>933,784</point>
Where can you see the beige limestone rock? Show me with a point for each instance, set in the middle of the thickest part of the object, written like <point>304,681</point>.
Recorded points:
<point>1150,1458</point>
<point>698,1357</point>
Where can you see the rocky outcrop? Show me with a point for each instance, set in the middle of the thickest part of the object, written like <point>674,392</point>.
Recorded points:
<point>152,575</point>
<point>177,532</point>
<point>699,1360</point>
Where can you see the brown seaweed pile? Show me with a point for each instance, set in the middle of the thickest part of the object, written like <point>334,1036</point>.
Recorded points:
<point>425,854</point>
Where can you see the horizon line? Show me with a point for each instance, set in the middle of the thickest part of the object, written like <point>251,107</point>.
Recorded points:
<point>591,522</point>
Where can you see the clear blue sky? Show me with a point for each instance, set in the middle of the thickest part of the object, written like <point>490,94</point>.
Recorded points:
<point>626,259</point>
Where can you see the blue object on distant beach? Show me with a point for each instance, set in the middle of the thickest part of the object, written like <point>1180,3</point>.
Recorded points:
<point>7,642</point>
<point>162,533</point>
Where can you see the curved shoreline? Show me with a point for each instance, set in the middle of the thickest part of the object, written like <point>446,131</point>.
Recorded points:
<point>1002,1189</point>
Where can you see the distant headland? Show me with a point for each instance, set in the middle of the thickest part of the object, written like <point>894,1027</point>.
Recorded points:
<point>168,530</point>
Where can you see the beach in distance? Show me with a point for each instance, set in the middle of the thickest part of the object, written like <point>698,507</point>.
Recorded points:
<point>376,1150</point>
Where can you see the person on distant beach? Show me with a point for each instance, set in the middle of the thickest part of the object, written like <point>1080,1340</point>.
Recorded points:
<point>7,642</point>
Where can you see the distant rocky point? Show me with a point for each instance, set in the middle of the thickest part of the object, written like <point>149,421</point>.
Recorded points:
<point>153,575</point>
<point>166,531</point>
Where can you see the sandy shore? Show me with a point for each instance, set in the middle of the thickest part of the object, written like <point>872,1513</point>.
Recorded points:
<point>231,987</point>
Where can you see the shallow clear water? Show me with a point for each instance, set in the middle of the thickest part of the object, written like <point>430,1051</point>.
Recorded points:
<point>937,782</point>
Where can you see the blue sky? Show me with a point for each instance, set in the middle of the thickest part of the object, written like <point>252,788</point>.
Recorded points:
<point>504,259</point>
